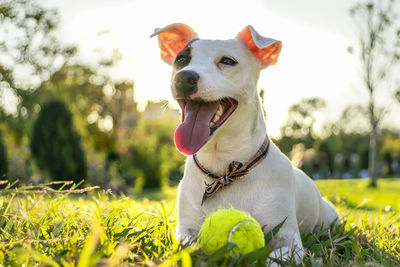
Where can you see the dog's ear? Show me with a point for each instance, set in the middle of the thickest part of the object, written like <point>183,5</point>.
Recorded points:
<point>172,39</point>
<point>266,50</point>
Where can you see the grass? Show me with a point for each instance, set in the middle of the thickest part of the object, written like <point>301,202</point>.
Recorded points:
<point>356,200</point>
<point>39,227</point>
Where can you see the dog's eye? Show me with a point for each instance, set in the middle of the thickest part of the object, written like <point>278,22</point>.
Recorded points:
<point>182,60</point>
<point>228,61</point>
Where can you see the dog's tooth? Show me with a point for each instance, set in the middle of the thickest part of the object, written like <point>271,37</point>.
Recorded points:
<point>216,118</point>
<point>219,111</point>
<point>212,124</point>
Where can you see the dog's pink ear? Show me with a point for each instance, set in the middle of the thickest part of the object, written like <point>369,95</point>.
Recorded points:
<point>172,39</point>
<point>266,50</point>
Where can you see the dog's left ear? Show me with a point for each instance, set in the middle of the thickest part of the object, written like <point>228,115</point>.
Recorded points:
<point>266,50</point>
<point>172,39</point>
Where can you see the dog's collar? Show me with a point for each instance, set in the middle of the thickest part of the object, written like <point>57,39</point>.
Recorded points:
<point>235,171</point>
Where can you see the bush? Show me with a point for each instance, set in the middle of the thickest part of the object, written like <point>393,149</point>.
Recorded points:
<point>55,144</point>
<point>153,155</point>
<point>3,158</point>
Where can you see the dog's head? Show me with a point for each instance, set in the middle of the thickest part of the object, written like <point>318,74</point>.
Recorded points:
<point>212,78</point>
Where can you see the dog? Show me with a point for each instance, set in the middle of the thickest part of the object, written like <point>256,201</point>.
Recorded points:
<point>231,161</point>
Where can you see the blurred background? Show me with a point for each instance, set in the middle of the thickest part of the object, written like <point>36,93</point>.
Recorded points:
<point>84,95</point>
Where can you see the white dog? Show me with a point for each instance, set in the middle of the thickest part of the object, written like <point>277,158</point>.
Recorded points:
<point>214,82</point>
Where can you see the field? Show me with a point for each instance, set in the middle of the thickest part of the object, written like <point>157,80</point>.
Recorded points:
<point>39,227</point>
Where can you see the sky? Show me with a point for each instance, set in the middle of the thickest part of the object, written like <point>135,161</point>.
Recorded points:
<point>314,60</point>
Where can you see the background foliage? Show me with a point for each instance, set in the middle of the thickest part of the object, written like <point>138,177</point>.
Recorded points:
<point>55,144</point>
<point>3,158</point>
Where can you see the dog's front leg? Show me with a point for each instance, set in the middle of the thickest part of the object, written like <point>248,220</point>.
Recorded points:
<point>288,247</point>
<point>275,206</point>
<point>189,216</point>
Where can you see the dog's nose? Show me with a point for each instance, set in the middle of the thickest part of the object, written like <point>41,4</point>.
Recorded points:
<point>186,82</point>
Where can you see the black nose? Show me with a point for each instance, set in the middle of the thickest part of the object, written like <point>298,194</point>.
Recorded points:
<point>186,82</point>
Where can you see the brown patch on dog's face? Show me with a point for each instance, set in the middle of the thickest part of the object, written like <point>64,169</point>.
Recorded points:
<point>184,57</point>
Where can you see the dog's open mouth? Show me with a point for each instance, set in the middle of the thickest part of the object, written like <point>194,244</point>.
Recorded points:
<point>200,119</point>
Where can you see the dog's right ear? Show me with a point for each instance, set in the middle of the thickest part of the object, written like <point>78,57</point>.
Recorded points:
<point>172,39</point>
<point>266,50</point>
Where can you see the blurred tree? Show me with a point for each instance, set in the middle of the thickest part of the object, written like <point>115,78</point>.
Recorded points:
<point>300,122</point>
<point>35,69</point>
<point>343,145</point>
<point>346,137</point>
<point>352,120</point>
<point>397,95</point>
<point>55,144</point>
<point>153,155</point>
<point>364,158</point>
<point>301,117</point>
<point>390,149</point>
<point>105,111</point>
<point>325,149</point>
<point>378,52</point>
<point>29,54</point>
<point>390,143</point>
<point>3,158</point>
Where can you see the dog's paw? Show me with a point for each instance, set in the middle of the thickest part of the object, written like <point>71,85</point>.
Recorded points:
<point>186,237</point>
<point>271,263</point>
<point>285,254</point>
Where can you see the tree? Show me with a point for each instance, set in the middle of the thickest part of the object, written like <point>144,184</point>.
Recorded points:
<point>301,117</point>
<point>378,52</point>
<point>352,120</point>
<point>152,154</point>
<point>300,122</point>
<point>55,144</point>
<point>3,158</point>
<point>28,43</point>
<point>29,54</point>
<point>104,110</point>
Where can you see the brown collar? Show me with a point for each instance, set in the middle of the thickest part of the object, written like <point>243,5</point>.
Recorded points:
<point>235,171</point>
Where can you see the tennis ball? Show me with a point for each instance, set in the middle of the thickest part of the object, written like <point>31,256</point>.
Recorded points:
<point>230,225</point>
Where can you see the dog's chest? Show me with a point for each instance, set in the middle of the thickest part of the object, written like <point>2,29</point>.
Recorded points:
<point>258,189</point>
<point>241,194</point>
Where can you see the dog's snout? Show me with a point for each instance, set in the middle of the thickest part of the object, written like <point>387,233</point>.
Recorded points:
<point>186,82</point>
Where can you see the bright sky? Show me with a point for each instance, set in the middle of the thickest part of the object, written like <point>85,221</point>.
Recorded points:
<point>313,62</point>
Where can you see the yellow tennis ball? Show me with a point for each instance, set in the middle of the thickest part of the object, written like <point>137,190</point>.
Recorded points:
<point>230,225</point>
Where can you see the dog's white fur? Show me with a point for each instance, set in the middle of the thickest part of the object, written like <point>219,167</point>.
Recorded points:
<point>274,189</point>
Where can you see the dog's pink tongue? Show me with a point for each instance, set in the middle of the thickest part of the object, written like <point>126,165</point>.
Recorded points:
<point>194,131</point>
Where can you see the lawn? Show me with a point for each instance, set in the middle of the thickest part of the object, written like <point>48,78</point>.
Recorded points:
<point>355,199</point>
<point>41,228</point>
